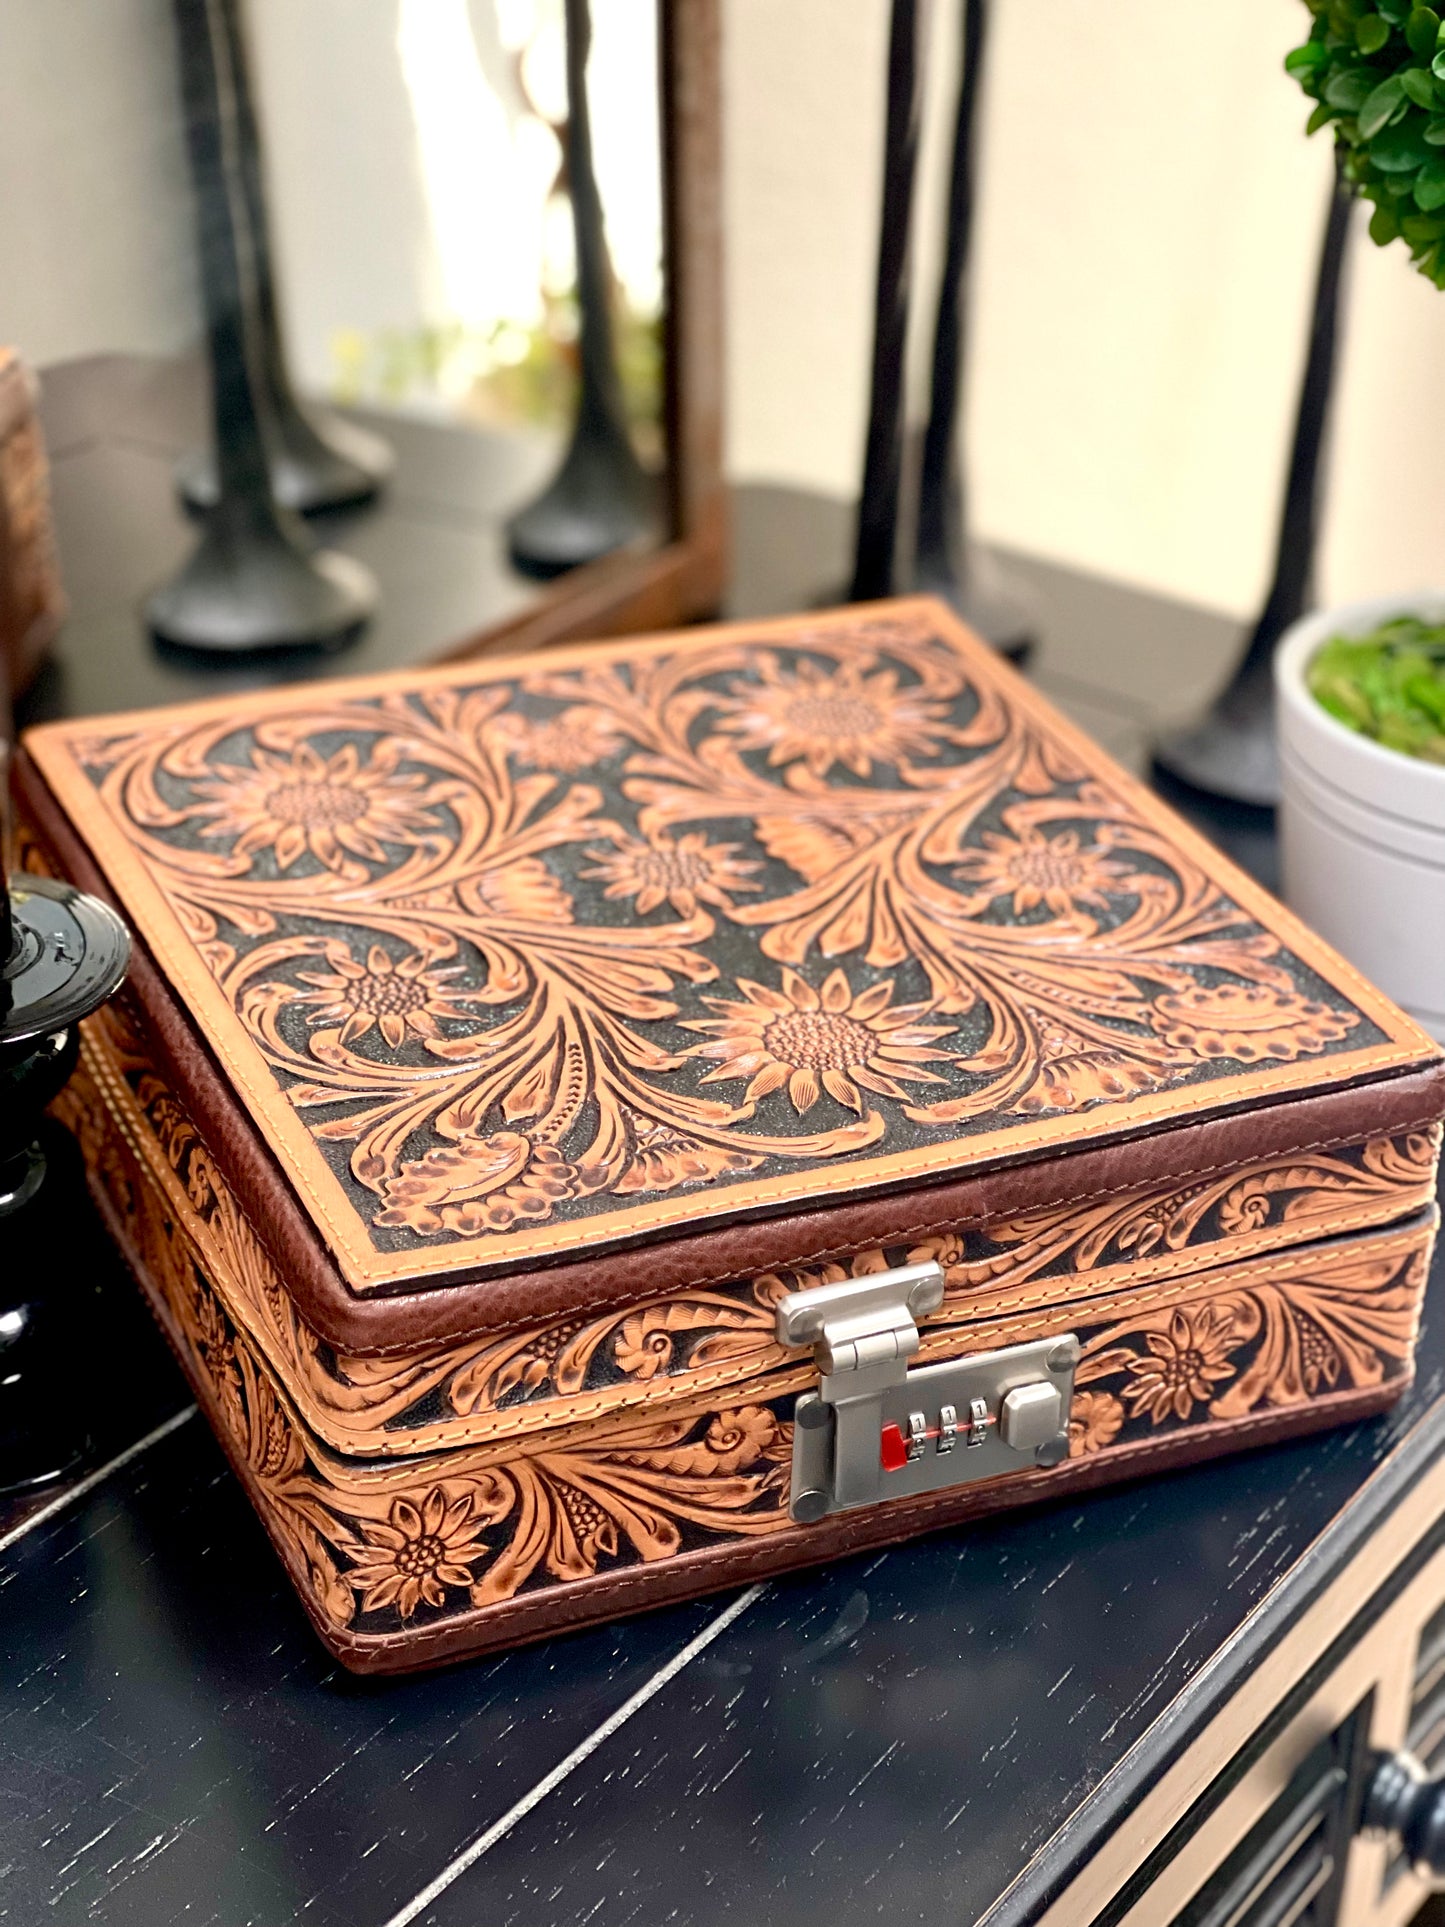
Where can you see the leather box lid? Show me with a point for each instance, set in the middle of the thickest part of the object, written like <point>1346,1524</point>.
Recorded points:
<point>514,963</point>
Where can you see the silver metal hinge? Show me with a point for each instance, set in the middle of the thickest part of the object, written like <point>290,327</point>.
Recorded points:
<point>880,1428</point>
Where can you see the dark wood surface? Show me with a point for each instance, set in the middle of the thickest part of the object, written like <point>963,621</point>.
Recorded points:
<point>937,1732</point>
<point>115,426</point>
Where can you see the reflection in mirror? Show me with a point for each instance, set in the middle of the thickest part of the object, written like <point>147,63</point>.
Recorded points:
<point>415,176</point>
<point>601,498</point>
<point>317,460</point>
<point>254,580</point>
<point>418,190</point>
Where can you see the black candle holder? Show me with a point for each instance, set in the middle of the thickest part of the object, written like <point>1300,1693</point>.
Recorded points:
<point>1232,752</point>
<point>254,580</point>
<point>875,549</point>
<point>316,460</point>
<point>601,498</point>
<point>62,954</point>
<point>947,562</point>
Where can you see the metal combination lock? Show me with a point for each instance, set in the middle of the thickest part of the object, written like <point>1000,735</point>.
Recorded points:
<point>877,1428</point>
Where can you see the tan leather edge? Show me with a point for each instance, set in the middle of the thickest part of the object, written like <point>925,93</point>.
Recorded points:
<point>623,1275</point>
<point>570,1606</point>
<point>1044,1304</point>
<point>357,1457</point>
<point>567,1430</point>
<point>589,1414</point>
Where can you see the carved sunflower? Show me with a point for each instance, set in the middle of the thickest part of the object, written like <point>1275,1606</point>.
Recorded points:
<point>397,997</point>
<point>572,741</point>
<point>416,1555</point>
<point>823,717</point>
<point>816,1041</point>
<point>1247,1022</point>
<point>1184,1364</point>
<point>309,802</point>
<point>684,873</point>
<point>1095,1421</point>
<point>1053,870</point>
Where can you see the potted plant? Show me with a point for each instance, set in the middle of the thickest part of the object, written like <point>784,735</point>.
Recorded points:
<point>1361,706</point>
<point>1361,690</point>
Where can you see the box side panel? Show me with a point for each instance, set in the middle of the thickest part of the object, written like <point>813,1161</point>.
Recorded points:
<point>1008,1280</point>
<point>403,1562</point>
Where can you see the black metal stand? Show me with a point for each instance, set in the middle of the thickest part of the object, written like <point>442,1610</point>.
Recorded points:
<point>601,497</point>
<point>1232,752</point>
<point>253,581</point>
<point>947,563</point>
<point>317,460</point>
<point>61,955</point>
<point>877,541</point>
<point>1401,1800</point>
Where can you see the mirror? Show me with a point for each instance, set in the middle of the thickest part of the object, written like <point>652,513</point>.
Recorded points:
<point>412,173</point>
<point>418,196</point>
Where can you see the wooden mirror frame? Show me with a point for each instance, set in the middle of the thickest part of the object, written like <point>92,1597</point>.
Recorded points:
<point>682,580</point>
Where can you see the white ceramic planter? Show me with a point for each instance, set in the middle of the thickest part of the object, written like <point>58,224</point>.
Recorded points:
<point>1362,829</point>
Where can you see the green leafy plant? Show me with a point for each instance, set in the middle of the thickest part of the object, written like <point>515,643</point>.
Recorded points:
<point>507,374</point>
<point>1388,685</point>
<point>1376,71</point>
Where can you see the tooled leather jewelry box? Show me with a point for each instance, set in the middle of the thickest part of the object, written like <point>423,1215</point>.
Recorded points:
<point>608,1124</point>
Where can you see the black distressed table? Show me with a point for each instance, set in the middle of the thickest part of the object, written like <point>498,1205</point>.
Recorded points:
<point>941,1732</point>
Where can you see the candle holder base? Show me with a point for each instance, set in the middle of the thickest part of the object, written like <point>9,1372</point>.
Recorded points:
<point>1232,752</point>
<point>601,499</point>
<point>250,585</point>
<point>317,461</point>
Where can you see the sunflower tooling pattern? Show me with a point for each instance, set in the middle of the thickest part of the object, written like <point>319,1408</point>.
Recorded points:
<point>688,928</point>
<point>383,1543</point>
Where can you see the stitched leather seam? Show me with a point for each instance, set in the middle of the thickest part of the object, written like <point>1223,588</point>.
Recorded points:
<point>1018,1142</point>
<point>559,1417</point>
<point>1141,1454</point>
<point>599,1589</point>
<point>954,1155</point>
<point>745,1377</point>
<point>748,1376</point>
<point>930,1227</point>
<point>740,1197</point>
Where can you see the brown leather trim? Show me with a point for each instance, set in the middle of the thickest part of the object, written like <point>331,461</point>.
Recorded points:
<point>568,1607</point>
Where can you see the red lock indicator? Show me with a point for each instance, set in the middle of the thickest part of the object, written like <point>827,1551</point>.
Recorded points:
<point>897,1448</point>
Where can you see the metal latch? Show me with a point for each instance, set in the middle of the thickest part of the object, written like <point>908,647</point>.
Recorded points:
<point>877,1428</point>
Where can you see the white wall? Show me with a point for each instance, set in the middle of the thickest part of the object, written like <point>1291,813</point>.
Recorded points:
<point>1150,220</point>
<point>1146,248</point>
<point>95,235</point>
